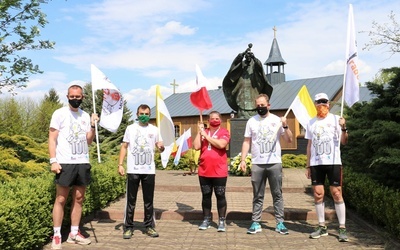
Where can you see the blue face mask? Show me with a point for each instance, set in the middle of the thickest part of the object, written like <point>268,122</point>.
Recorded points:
<point>144,119</point>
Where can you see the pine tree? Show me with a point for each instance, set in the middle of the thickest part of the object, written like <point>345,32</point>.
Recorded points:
<point>374,132</point>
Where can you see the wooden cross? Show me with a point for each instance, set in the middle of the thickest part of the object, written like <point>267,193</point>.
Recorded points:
<point>174,85</point>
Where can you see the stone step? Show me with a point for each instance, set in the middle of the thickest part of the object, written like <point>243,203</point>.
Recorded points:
<point>185,204</point>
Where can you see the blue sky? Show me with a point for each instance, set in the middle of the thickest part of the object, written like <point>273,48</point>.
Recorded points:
<point>141,43</point>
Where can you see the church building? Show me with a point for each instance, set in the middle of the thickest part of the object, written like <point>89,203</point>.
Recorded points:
<point>185,115</point>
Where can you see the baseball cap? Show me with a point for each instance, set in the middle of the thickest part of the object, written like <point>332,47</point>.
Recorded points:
<point>75,83</point>
<point>320,96</point>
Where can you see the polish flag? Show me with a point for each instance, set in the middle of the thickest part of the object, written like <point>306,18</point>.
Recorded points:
<point>200,98</point>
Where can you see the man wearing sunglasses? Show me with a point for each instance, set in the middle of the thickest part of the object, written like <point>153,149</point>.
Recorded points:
<point>325,133</point>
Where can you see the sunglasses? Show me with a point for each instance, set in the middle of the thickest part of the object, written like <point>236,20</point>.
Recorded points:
<point>322,101</point>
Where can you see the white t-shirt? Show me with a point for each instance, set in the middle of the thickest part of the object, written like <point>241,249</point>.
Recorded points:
<point>72,147</point>
<point>264,134</point>
<point>325,138</point>
<point>141,144</point>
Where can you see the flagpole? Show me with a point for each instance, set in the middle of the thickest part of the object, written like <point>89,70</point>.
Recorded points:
<point>346,57</point>
<point>95,128</point>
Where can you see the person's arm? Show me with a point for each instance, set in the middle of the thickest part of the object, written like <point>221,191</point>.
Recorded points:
<point>309,144</point>
<point>122,154</point>
<point>90,135</point>
<point>245,150</point>
<point>344,135</point>
<point>53,135</point>
<point>218,143</point>
<point>287,135</point>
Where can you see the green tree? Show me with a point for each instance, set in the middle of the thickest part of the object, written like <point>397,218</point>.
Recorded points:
<point>20,23</point>
<point>374,137</point>
<point>52,96</point>
<point>11,118</point>
<point>385,34</point>
<point>39,129</point>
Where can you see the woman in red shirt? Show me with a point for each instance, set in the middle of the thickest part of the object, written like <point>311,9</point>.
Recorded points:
<point>213,168</point>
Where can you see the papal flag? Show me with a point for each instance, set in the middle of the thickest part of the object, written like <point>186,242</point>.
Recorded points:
<point>165,126</point>
<point>113,102</point>
<point>351,85</point>
<point>303,107</point>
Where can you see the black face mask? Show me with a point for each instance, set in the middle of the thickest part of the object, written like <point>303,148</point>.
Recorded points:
<point>75,103</point>
<point>262,110</point>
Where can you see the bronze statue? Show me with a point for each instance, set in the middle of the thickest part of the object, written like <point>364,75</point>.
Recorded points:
<point>244,81</point>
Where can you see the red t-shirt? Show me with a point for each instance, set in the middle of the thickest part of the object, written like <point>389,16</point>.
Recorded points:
<point>213,162</point>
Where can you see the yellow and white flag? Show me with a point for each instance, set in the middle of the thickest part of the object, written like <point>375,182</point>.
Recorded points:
<point>165,127</point>
<point>303,107</point>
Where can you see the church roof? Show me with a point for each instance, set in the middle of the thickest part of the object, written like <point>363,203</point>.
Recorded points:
<point>179,104</point>
<point>275,57</point>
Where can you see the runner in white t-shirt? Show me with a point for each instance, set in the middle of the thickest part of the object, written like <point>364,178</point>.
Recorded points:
<point>71,132</point>
<point>325,133</point>
<point>263,132</point>
<point>139,142</point>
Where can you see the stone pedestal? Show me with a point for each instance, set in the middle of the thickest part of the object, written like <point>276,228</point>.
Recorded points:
<point>238,125</point>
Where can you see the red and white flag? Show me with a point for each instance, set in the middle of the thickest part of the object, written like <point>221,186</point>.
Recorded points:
<point>200,98</point>
<point>351,86</point>
<point>185,143</point>
<point>113,102</point>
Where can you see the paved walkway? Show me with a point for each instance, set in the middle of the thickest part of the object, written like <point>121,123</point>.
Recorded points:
<point>178,212</point>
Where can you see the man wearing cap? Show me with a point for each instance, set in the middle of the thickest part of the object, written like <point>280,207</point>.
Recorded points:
<point>71,132</point>
<point>325,133</point>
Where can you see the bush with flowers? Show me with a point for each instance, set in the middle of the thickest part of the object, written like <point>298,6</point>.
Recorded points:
<point>234,166</point>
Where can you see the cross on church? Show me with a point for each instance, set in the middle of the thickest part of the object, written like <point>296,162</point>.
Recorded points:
<point>174,84</point>
<point>274,31</point>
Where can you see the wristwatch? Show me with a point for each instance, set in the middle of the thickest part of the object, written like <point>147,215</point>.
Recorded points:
<point>53,160</point>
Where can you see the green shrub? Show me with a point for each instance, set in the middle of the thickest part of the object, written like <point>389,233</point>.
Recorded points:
<point>27,203</point>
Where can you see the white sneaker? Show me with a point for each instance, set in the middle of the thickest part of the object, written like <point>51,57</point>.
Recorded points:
<point>56,242</point>
<point>78,239</point>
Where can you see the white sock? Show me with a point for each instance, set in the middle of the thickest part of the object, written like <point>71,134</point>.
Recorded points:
<point>320,209</point>
<point>341,213</point>
<point>57,231</point>
<point>74,230</point>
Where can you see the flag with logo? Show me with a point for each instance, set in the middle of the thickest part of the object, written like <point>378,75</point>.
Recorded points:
<point>351,86</point>
<point>113,102</point>
<point>303,107</point>
<point>185,143</point>
<point>200,98</point>
<point>165,126</point>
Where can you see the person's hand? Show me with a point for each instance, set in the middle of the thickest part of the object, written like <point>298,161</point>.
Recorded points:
<point>55,168</point>
<point>160,146</point>
<point>243,166</point>
<point>284,121</point>
<point>308,173</point>
<point>121,170</point>
<point>94,119</point>
<point>342,122</point>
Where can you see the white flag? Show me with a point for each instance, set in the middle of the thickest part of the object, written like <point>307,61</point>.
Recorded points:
<point>351,86</point>
<point>184,145</point>
<point>165,126</point>
<point>113,102</point>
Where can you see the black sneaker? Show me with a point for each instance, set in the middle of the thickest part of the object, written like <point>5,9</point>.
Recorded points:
<point>343,235</point>
<point>127,233</point>
<point>319,231</point>
<point>151,232</point>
